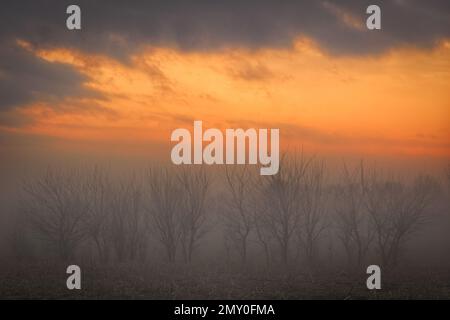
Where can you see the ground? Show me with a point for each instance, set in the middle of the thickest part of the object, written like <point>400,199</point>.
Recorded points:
<point>156,281</point>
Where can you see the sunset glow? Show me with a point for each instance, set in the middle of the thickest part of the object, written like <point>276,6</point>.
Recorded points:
<point>394,103</point>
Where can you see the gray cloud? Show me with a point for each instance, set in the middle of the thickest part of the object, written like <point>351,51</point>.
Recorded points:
<point>118,28</point>
<point>25,77</point>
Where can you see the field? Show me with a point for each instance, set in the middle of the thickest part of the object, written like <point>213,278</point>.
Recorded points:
<point>147,281</point>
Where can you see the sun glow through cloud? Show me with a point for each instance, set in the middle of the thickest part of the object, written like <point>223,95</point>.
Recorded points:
<point>394,103</point>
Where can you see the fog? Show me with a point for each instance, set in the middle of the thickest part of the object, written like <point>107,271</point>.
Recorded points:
<point>320,220</point>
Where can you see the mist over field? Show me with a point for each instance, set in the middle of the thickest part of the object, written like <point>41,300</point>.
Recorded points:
<point>153,230</point>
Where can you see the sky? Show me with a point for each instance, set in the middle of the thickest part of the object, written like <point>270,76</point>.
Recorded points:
<point>139,69</point>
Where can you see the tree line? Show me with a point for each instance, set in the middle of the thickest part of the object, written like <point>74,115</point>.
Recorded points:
<point>370,214</point>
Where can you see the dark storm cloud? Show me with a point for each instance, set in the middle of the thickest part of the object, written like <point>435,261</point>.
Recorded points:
<point>117,28</point>
<point>25,77</point>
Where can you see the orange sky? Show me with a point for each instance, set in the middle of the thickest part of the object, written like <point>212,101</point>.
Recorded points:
<point>394,103</point>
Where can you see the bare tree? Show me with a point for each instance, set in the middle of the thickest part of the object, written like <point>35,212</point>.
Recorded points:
<point>195,187</point>
<point>397,210</point>
<point>238,215</point>
<point>164,203</point>
<point>279,198</point>
<point>127,225</point>
<point>312,209</point>
<point>97,220</point>
<point>57,205</point>
<point>354,227</point>
<point>264,238</point>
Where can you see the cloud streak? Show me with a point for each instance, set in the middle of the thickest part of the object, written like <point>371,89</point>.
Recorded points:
<point>25,77</point>
<point>117,27</point>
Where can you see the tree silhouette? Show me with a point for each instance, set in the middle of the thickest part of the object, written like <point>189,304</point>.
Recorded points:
<point>354,226</point>
<point>195,187</point>
<point>280,202</point>
<point>57,206</point>
<point>164,205</point>
<point>397,210</point>
<point>313,199</point>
